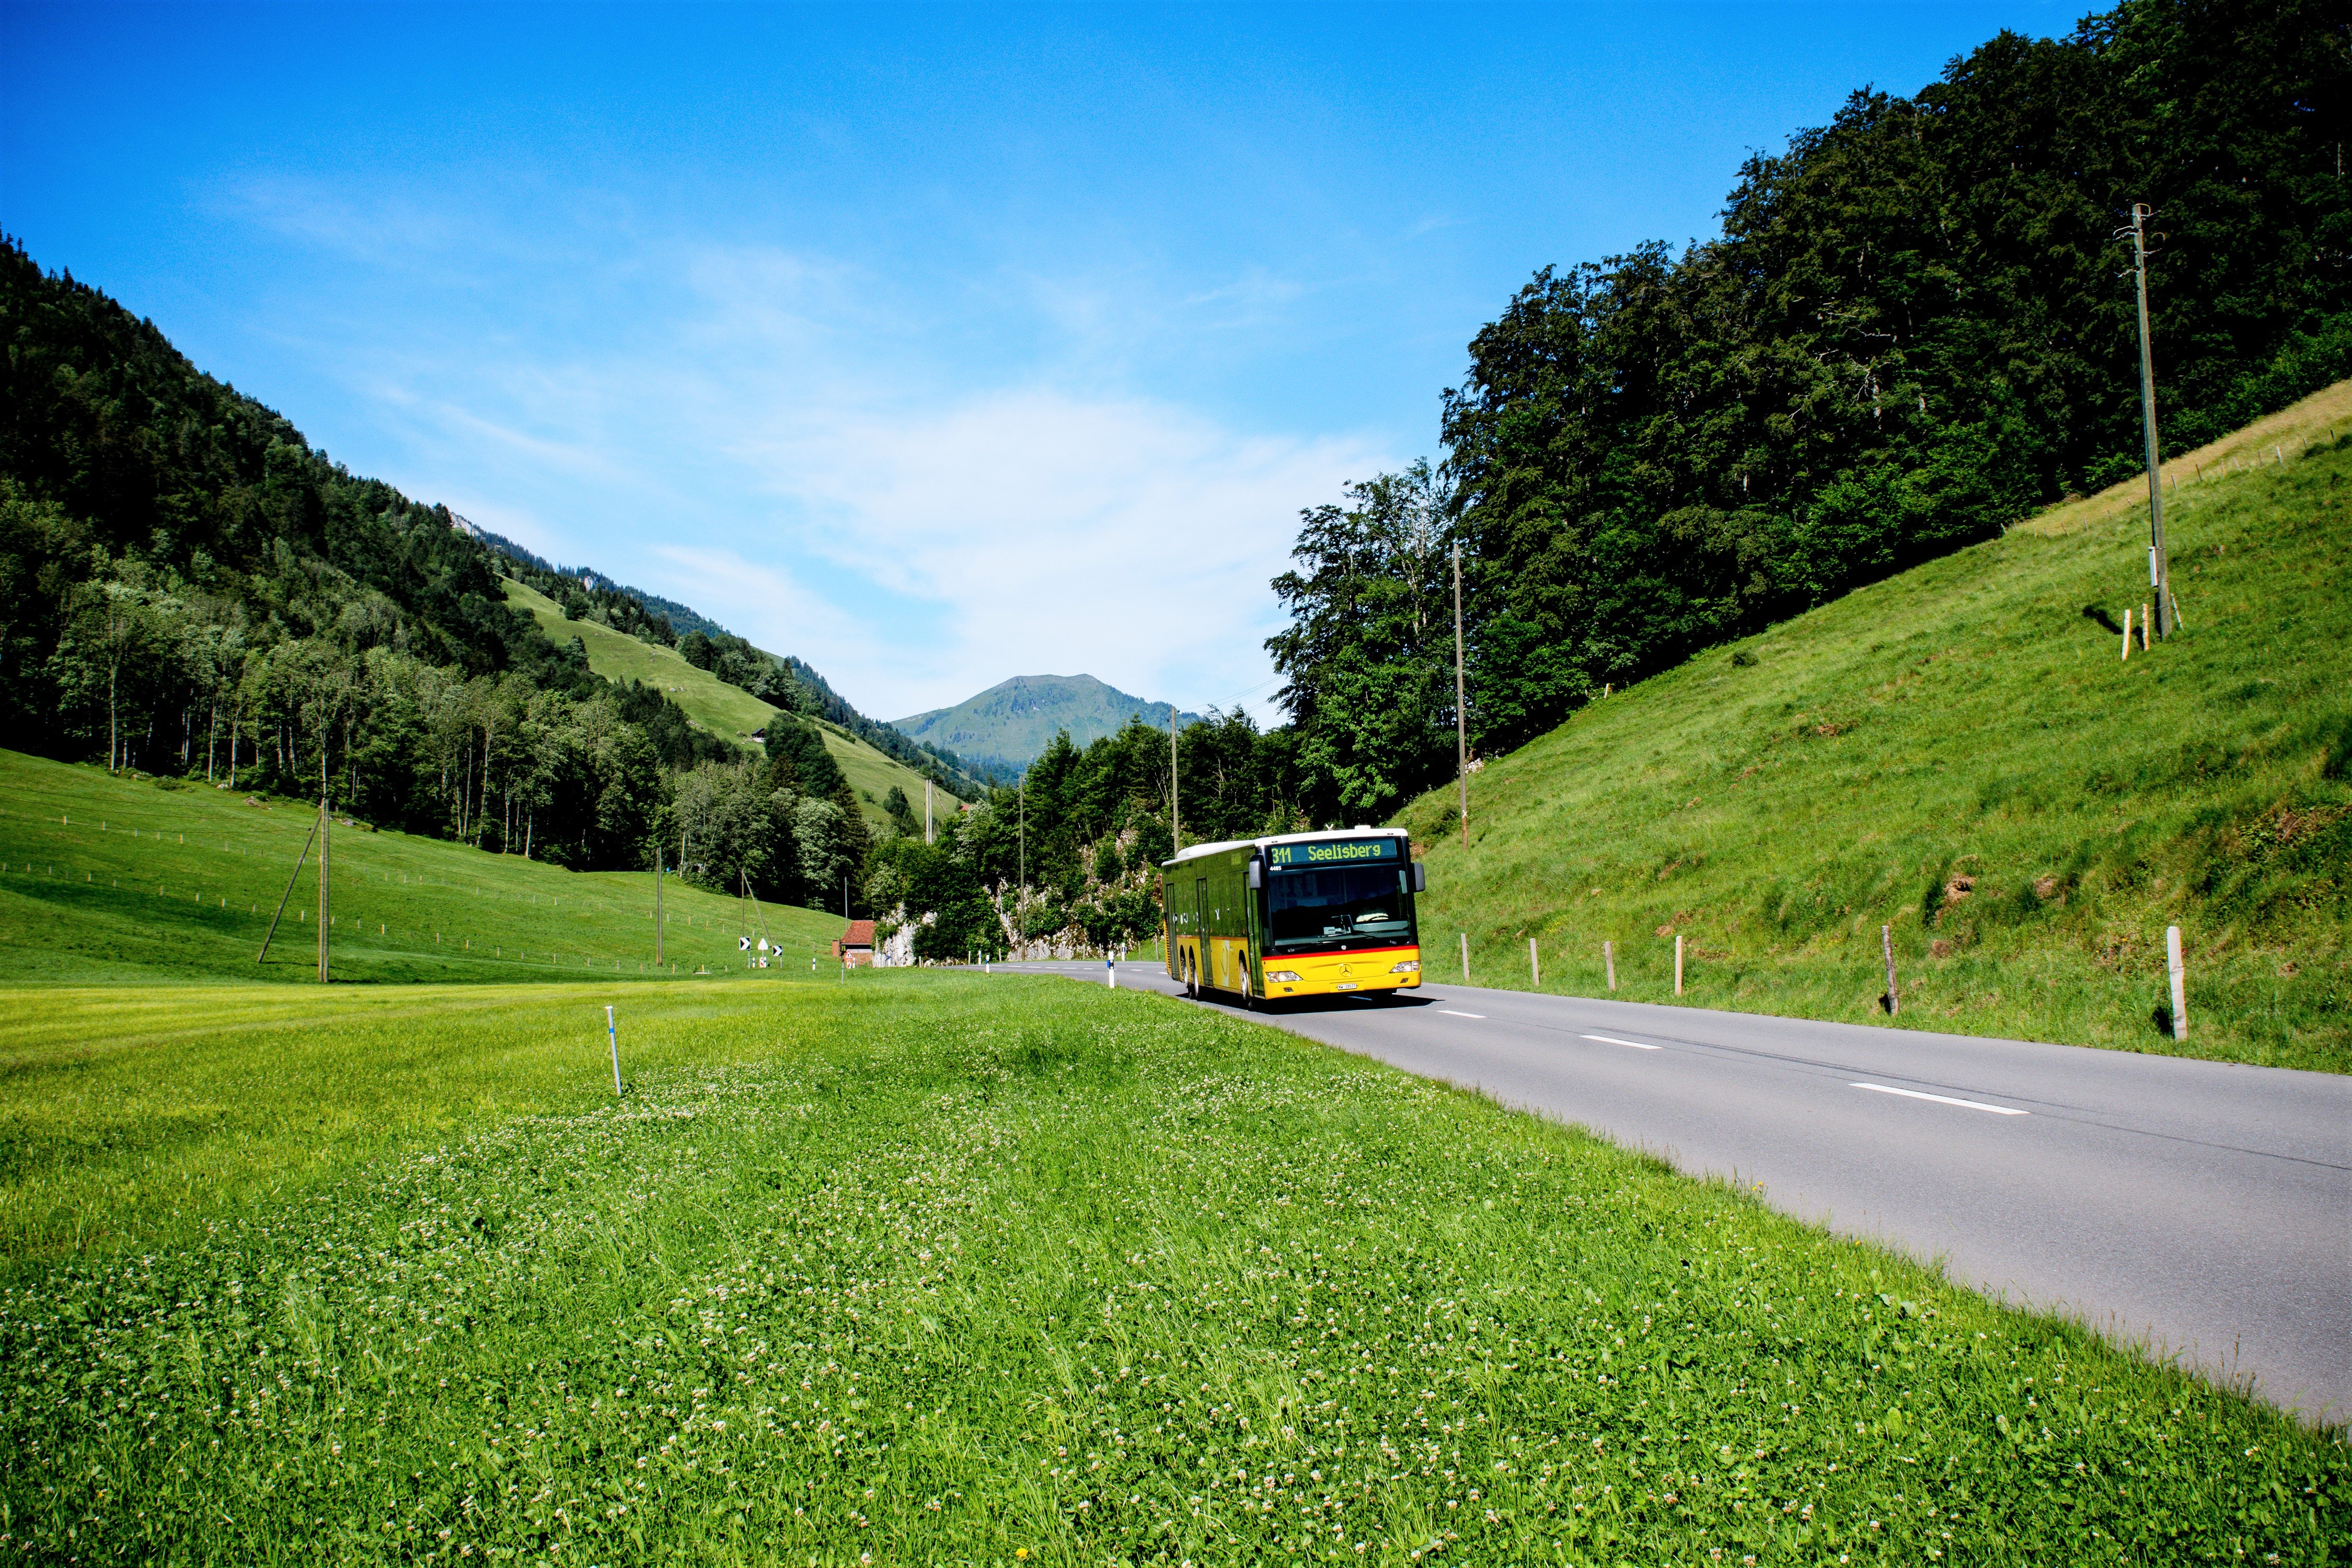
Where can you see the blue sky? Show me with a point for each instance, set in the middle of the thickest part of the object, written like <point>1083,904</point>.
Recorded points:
<point>933,344</point>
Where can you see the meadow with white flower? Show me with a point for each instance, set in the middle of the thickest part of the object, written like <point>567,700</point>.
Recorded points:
<point>936,1267</point>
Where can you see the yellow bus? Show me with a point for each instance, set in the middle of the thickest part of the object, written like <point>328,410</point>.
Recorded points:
<point>1303,914</point>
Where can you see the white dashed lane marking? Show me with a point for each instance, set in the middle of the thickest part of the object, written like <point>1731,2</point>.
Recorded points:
<point>1945,1099</point>
<point>1452,1013</point>
<point>1613,1040</point>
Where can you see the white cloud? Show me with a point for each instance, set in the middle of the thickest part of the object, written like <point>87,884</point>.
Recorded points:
<point>920,490</point>
<point>1050,532</point>
<point>743,594</point>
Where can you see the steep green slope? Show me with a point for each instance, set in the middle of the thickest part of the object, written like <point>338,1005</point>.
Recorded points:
<point>725,710</point>
<point>1960,752</point>
<point>1010,724</point>
<point>107,878</point>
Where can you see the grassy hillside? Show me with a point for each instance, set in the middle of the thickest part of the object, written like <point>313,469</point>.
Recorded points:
<point>111,878</point>
<point>871,774</point>
<point>723,710</point>
<point>1960,753</point>
<point>926,1267</point>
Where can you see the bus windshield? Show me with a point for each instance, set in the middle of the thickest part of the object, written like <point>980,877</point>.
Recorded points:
<point>1338,906</point>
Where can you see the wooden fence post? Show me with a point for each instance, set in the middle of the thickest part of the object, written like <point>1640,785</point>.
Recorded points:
<point>1678,964</point>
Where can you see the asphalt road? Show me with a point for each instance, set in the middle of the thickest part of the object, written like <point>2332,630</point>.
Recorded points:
<point>2201,1210</point>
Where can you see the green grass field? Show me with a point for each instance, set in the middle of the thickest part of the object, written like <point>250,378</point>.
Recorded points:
<point>925,1267</point>
<point>114,879</point>
<point>1960,752</point>
<point>725,710</point>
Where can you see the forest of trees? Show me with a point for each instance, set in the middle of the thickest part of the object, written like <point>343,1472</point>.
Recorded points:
<point>188,589</point>
<point>1072,852</point>
<point>1915,327</point>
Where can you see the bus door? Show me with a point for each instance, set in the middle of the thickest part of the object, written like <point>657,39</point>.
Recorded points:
<point>1201,932</point>
<point>1246,956</point>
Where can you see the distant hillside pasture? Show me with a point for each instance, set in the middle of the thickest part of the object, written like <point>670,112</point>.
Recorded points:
<point>1960,752</point>
<point>727,712</point>
<point>107,878</point>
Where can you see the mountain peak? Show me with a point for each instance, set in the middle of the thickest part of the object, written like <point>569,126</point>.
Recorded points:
<point>1004,727</point>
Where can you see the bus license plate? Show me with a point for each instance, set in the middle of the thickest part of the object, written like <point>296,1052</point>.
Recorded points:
<point>1345,985</point>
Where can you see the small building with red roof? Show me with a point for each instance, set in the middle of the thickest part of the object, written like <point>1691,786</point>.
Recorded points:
<point>857,944</point>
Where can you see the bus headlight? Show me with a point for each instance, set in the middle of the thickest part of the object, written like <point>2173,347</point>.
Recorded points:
<point>1409,967</point>
<point>1283,977</point>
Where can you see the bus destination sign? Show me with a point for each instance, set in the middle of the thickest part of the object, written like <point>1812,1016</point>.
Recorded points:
<point>1355,852</point>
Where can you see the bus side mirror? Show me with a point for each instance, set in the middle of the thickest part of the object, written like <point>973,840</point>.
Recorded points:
<point>1257,875</point>
<point>1420,876</point>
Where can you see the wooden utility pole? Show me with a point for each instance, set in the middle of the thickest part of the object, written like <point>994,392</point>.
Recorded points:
<point>1175,837</point>
<point>2159,569</point>
<point>657,903</point>
<point>326,826</point>
<point>927,811</point>
<point>1461,707</point>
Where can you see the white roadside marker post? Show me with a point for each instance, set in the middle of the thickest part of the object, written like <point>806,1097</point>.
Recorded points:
<point>1466,958</point>
<point>1110,972</point>
<point>1678,964</point>
<point>614,1034</point>
<point>2179,983</point>
<point>1534,964</point>
<point>1887,945</point>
